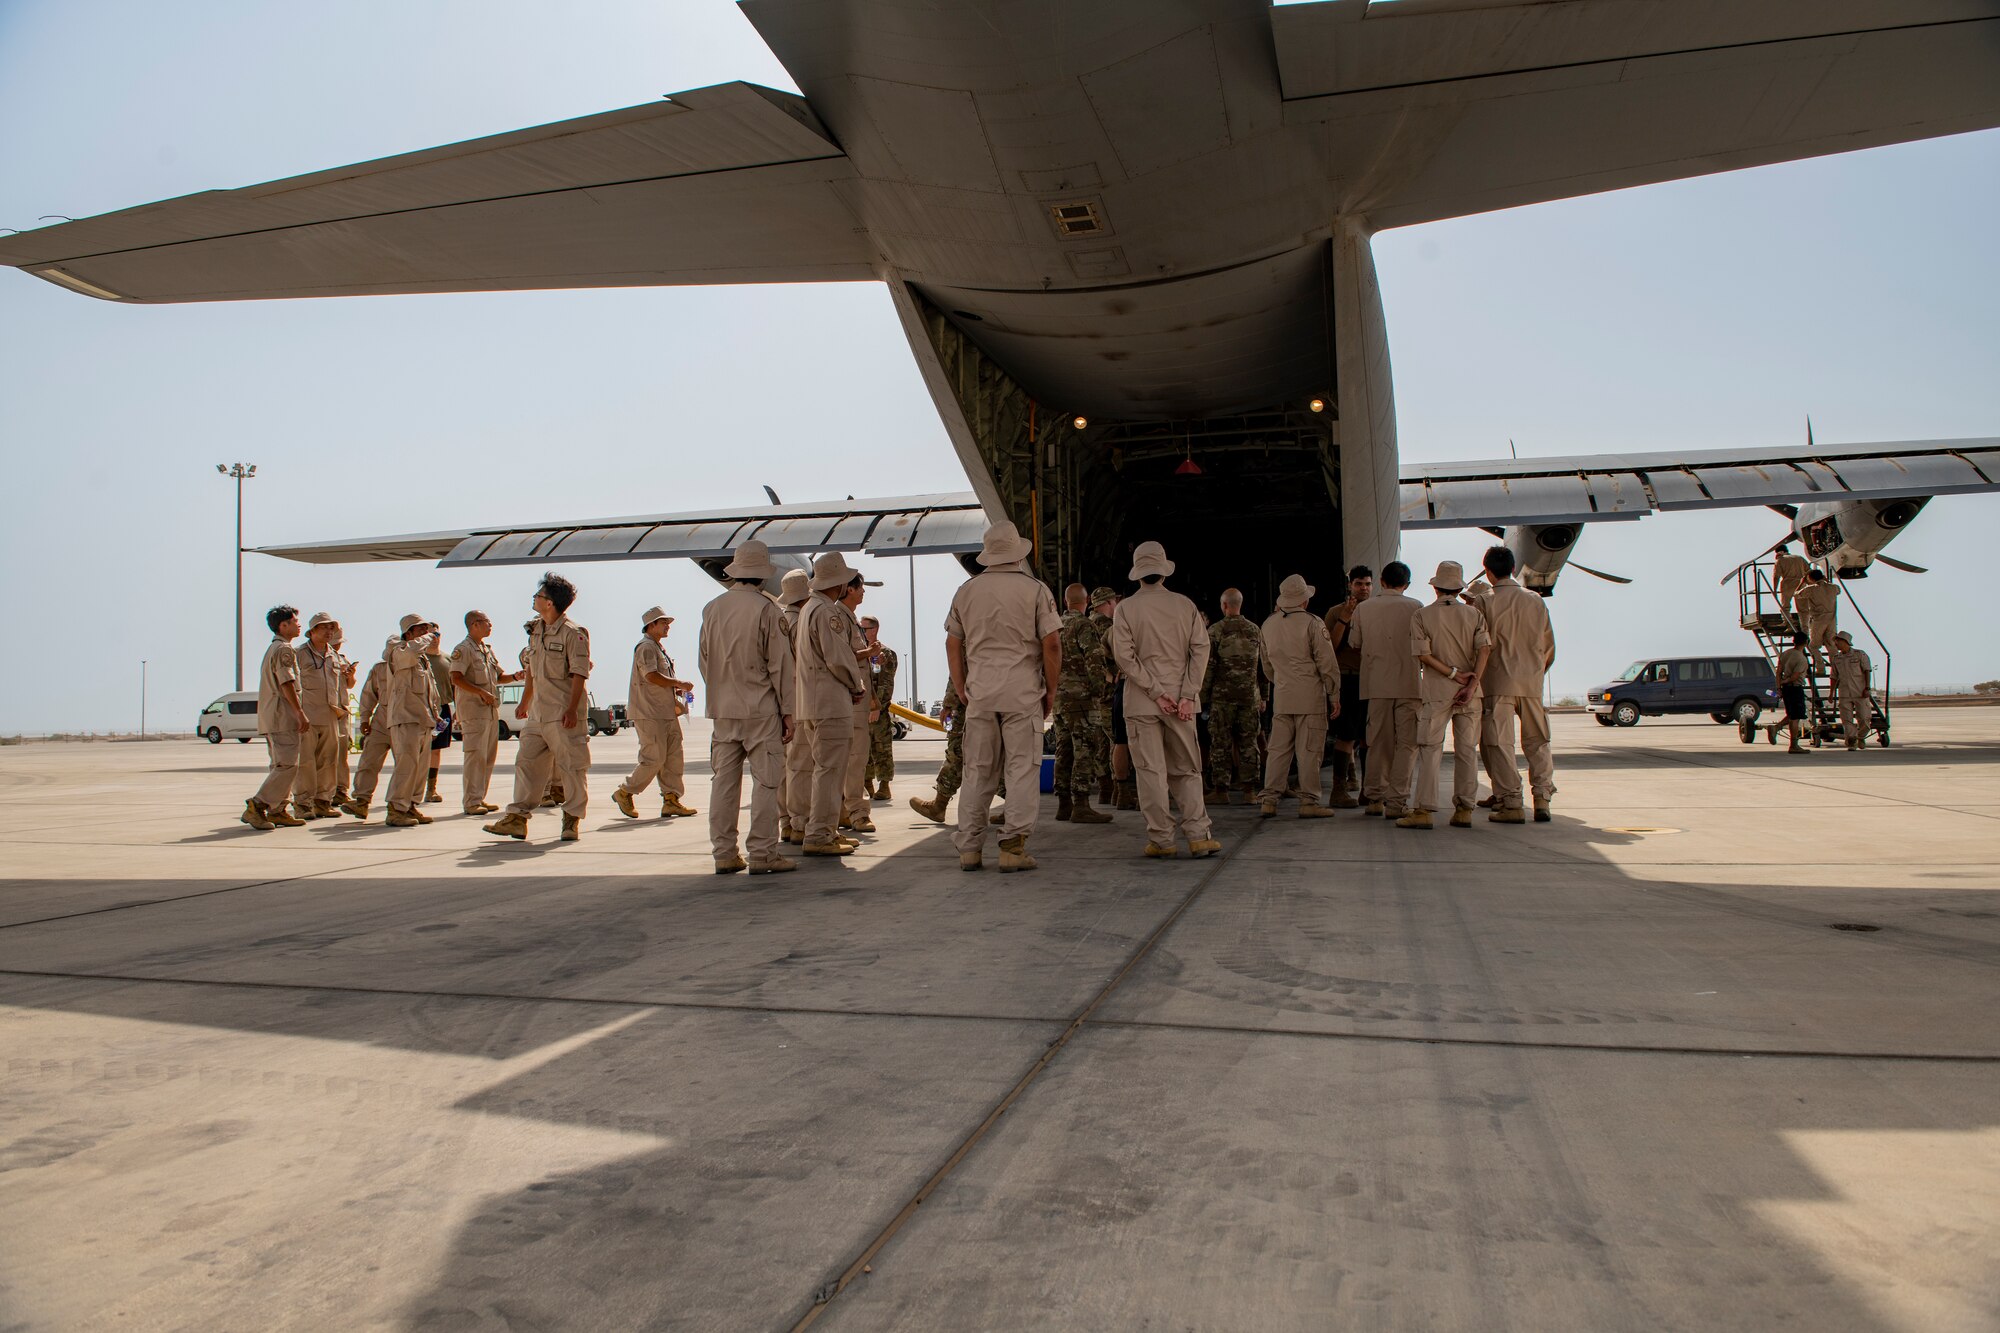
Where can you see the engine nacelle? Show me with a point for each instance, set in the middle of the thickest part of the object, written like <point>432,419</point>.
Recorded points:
<point>1540,552</point>
<point>1846,535</point>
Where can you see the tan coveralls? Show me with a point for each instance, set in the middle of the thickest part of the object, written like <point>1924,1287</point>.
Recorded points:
<point>1789,572</point>
<point>827,677</point>
<point>373,709</point>
<point>1819,603</point>
<point>278,723</point>
<point>413,718</point>
<point>343,705</point>
<point>319,693</point>
<point>1452,632</point>
<point>478,721</point>
<point>1381,631</point>
<point>557,651</point>
<point>795,793</point>
<point>747,680</point>
<point>1850,682</point>
<point>1305,680</point>
<point>1000,617</point>
<point>854,778</point>
<point>1524,647</point>
<point>1160,642</point>
<point>655,714</point>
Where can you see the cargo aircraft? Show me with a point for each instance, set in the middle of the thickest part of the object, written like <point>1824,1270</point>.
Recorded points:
<point>1129,244</point>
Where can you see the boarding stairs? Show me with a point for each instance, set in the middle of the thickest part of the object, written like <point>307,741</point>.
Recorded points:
<point>1761,613</point>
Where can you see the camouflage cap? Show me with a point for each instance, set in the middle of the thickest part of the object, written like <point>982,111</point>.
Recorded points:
<point>1101,594</point>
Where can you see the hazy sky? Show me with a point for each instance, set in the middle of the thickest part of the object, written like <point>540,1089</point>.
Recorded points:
<point>1720,311</point>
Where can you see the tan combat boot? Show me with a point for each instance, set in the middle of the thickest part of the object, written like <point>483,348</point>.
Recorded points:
<point>1014,855</point>
<point>970,860</point>
<point>303,811</point>
<point>357,808</point>
<point>860,823</point>
<point>730,866</point>
<point>933,809</point>
<point>571,831</point>
<point>1415,819</point>
<point>1154,849</point>
<point>835,848</point>
<point>623,800</point>
<point>1081,811</point>
<point>791,834</point>
<point>773,865</point>
<point>254,816</point>
<point>509,826</point>
<point>1542,815</point>
<point>1128,794</point>
<point>671,806</point>
<point>1267,810</point>
<point>324,810</point>
<point>422,818</point>
<point>1461,819</point>
<point>1506,815</point>
<point>1199,847</point>
<point>1372,808</point>
<point>431,796</point>
<point>1312,809</point>
<point>882,790</point>
<point>400,818</point>
<point>1343,799</point>
<point>282,817</point>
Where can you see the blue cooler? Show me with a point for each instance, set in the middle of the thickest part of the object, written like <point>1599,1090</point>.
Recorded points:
<point>1048,772</point>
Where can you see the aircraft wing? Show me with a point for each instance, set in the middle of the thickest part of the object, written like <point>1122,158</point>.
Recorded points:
<point>730,184</point>
<point>1605,487</point>
<point>1492,105</point>
<point>904,525</point>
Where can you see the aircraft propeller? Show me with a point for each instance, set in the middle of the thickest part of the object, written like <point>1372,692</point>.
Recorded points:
<point>1904,565</point>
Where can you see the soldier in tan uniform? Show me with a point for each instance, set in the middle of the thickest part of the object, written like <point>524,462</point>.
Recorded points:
<point>1349,730</point>
<point>747,679</point>
<point>1001,647</point>
<point>1298,660</point>
<point>1789,572</point>
<point>413,718</point>
<point>1819,603</point>
<point>282,719</point>
<point>476,678</point>
<point>828,683</point>
<point>1160,642</point>
<point>1851,669</point>
<point>1523,649</point>
<point>558,682</point>
<point>1381,632</point>
<point>319,695</point>
<point>1449,641</point>
<point>795,794</point>
<point>855,806</point>
<point>653,702</point>
<point>373,712</point>
<point>343,749</point>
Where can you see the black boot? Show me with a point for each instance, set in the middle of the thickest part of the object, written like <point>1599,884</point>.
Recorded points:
<point>1063,806</point>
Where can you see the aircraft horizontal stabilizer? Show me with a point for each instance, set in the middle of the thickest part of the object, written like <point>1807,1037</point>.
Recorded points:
<point>729,184</point>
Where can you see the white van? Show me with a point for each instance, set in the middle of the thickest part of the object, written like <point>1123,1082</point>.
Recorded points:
<point>232,716</point>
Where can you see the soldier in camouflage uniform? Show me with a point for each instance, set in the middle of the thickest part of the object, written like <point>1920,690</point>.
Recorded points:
<point>1235,704</point>
<point>953,772</point>
<point>881,722</point>
<point>1083,706</point>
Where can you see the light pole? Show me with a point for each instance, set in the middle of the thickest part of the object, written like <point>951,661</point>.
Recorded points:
<point>915,700</point>
<point>142,698</point>
<point>242,474</point>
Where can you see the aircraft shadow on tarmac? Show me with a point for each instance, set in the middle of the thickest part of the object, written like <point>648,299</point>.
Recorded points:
<point>807,1057</point>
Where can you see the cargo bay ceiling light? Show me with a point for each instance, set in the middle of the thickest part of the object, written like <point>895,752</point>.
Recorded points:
<point>1317,405</point>
<point>1080,421</point>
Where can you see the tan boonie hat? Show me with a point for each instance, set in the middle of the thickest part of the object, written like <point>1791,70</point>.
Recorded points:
<point>1845,635</point>
<point>831,571</point>
<point>1148,559</point>
<point>1101,594</point>
<point>410,622</point>
<point>1294,593</point>
<point>1004,545</point>
<point>753,561</point>
<point>1450,576</point>
<point>319,618</point>
<point>651,614</point>
<point>796,587</point>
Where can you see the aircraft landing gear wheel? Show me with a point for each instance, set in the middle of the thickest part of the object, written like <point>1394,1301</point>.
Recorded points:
<point>1626,714</point>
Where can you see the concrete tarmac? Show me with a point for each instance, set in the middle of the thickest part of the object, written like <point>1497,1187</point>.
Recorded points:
<point>1715,1049</point>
